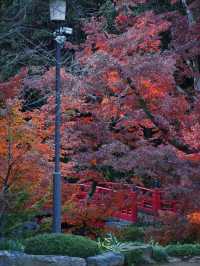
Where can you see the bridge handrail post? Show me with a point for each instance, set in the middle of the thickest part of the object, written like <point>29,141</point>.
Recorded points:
<point>134,208</point>
<point>156,200</point>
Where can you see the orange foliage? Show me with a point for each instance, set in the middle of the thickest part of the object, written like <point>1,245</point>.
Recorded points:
<point>113,76</point>
<point>191,157</point>
<point>151,90</point>
<point>87,119</point>
<point>23,157</point>
<point>86,215</point>
<point>194,218</point>
<point>81,214</point>
<point>102,45</point>
<point>93,162</point>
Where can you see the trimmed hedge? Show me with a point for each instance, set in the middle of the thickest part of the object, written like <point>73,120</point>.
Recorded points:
<point>180,250</point>
<point>11,245</point>
<point>61,244</point>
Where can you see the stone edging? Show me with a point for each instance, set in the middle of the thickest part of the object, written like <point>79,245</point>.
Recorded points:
<point>106,259</point>
<point>22,259</point>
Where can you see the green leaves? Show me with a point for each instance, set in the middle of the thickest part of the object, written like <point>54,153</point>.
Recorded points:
<point>61,244</point>
<point>11,245</point>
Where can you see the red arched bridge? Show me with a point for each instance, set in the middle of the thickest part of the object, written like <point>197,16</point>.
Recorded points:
<point>140,199</point>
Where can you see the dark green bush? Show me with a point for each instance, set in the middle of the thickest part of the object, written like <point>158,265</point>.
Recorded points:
<point>159,254</point>
<point>132,233</point>
<point>61,244</point>
<point>12,221</point>
<point>133,257</point>
<point>180,250</point>
<point>11,245</point>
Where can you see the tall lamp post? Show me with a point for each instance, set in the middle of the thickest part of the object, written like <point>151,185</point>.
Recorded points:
<point>57,14</point>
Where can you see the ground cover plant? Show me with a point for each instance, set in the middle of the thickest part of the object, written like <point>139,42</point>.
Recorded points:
<point>159,254</point>
<point>181,250</point>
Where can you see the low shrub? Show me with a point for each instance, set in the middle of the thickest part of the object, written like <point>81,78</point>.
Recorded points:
<point>131,233</point>
<point>159,254</point>
<point>61,244</point>
<point>180,250</point>
<point>133,257</point>
<point>13,219</point>
<point>11,245</point>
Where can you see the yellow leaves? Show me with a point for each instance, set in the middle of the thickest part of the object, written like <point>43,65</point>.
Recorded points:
<point>21,149</point>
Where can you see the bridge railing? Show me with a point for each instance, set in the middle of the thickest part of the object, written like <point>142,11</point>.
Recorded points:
<point>140,199</point>
<point>149,200</point>
<point>128,210</point>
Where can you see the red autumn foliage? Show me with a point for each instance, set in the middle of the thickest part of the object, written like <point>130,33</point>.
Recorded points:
<point>23,157</point>
<point>12,87</point>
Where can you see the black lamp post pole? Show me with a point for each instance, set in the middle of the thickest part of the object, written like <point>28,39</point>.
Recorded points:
<point>57,174</point>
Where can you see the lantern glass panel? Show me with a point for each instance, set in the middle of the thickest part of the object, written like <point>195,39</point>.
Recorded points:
<point>57,10</point>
